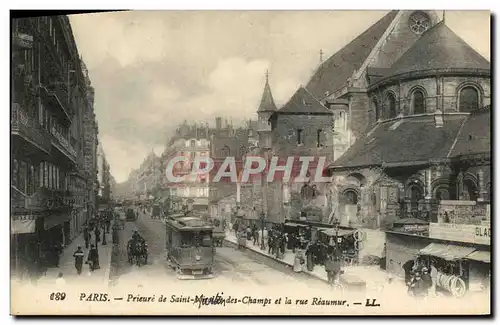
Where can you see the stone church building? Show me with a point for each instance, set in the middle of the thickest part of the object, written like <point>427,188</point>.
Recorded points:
<point>402,114</point>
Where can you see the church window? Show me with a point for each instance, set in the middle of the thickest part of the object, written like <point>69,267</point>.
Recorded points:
<point>419,22</point>
<point>300,139</point>
<point>391,105</point>
<point>318,140</point>
<point>351,197</point>
<point>418,102</point>
<point>375,110</point>
<point>469,99</point>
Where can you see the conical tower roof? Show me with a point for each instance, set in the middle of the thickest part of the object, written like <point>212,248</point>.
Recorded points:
<point>267,101</point>
<point>439,48</point>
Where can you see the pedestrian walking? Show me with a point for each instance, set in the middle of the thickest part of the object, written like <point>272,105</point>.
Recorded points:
<point>97,233</point>
<point>299,261</point>
<point>256,237</point>
<point>86,236</point>
<point>93,258</point>
<point>79,255</point>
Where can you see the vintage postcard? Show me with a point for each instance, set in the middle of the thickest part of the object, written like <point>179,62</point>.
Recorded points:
<point>251,163</point>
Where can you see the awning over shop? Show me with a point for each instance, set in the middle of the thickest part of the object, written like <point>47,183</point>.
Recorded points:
<point>480,256</point>
<point>447,252</point>
<point>341,232</point>
<point>56,219</point>
<point>23,226</point>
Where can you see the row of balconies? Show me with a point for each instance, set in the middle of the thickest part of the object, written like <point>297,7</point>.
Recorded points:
<point>69,151</point>
<point>43,199</point>
<point>28,128</point>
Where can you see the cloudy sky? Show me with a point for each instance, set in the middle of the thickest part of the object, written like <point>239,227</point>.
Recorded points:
<point>153,69</point>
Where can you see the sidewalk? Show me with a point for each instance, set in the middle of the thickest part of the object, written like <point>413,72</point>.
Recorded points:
<point>375,277</point>
<point>67,264</point>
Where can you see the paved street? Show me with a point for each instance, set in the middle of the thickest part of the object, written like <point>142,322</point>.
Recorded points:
<point>232,266</point>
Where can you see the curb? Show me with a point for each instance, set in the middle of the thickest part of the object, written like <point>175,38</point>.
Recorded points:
<point>234,245</point>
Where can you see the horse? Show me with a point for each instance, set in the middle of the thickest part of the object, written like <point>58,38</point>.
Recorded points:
<point>137,250</point>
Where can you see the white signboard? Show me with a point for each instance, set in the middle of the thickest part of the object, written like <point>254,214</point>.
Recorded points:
<point>474,234</point>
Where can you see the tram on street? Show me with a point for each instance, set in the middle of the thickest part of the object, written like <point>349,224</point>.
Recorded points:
<point>189,246</point>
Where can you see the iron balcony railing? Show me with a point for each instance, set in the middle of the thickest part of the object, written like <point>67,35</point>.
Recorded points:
<point>63,143</point>
<point>27,127</point>
<point>59,91</point>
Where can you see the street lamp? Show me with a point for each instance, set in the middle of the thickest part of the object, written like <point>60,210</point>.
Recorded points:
<point>262,219</point>
<point>336,224</point>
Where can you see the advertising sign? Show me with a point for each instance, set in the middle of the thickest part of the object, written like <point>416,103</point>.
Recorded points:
<point>474,234</point>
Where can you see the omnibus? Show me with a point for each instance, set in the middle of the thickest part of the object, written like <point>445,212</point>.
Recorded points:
<point>189,248</point>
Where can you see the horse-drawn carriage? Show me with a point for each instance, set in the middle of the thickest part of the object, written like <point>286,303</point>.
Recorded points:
<point>137,250</point>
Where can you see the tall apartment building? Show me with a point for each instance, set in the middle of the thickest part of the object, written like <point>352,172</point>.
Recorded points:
<point>90,146</point>
<point>48,178</point>
<point>189,141</point>
<point>103,177</point>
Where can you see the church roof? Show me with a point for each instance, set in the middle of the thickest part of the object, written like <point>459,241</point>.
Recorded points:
<point>267,101</point>
<point>334,72</point>
<point>302,102</point>
<point>475,134</point>
<point>404,141</point>
<point>439,48</point>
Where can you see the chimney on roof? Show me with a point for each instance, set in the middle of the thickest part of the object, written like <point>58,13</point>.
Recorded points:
<point>321,56</point>
<point>218,123</point>
<point>438,118</point>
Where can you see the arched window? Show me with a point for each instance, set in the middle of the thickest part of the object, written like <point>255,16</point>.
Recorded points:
<point>415,193</point>
<point>351,197</point>
<point>418,102</point>
<point>470,190</point>
<point>375,110</point>
<point>468,99</point>
<point>442,193</point>
<point>390,104</point>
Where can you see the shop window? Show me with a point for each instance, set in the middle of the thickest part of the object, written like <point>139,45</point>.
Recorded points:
<point>468,99</point>
<point>418,102</point>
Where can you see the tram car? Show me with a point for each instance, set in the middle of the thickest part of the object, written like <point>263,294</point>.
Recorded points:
<point>130,214</point>
<point>189,246</point>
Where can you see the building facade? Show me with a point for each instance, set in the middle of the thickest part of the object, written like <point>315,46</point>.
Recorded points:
<point>103,177</point>
<point>49,102</point>
<point>189,141</point>
<point>427,134</point>
<point>301,127</point>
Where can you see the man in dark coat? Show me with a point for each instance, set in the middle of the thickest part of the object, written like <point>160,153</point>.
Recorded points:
<point>93,258</point>
<point>78,255</point>
<point>309,257</point>
<point>97,233</point>
<point>86,236</point>
<point>408,266</point>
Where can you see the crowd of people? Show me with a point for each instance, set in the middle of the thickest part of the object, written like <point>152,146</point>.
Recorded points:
<point>308,252</point>
<point>94,234</point>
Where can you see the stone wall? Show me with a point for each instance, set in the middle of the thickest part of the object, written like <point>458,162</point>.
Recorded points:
<point>285,135</point>
<point>464,212</point>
